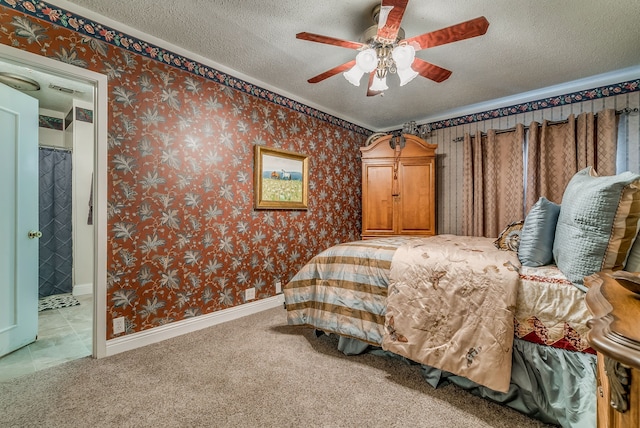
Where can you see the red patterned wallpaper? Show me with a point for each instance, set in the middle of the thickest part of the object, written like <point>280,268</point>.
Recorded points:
<point>183,237</point>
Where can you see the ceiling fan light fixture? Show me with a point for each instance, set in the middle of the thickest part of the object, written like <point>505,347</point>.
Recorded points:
<point>367,60</point>
<point>379,84</point>
<point>354,75</point>
<point>406,75</point>
<point>403,56</point>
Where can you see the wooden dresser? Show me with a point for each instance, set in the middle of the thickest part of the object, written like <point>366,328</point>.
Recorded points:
<point>398,187</point>
<point>615,335</point>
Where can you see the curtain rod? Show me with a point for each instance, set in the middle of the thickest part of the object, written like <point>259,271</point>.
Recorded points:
<point>62,149</point>
<point>554,122</point>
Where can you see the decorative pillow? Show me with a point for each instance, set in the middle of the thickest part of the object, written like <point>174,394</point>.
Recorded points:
<point>598,223</point>
<point>538,232</point>
<point>509,238</point>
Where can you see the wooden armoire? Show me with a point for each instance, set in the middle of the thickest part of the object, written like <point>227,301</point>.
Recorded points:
<point>398,187</point>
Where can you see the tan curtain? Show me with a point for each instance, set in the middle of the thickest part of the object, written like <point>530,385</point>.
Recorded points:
<point>556,151</point>
<point>492,184</point>
<point>473,173</point>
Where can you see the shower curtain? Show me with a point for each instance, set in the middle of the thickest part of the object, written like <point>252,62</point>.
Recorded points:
<point>56,257</point>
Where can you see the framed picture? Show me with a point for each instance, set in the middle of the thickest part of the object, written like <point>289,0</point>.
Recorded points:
<point>281,179</point>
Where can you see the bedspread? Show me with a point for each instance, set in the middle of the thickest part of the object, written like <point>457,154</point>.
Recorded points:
<point>343,289</point>
<point>550,310</point>
<point>451,304</point>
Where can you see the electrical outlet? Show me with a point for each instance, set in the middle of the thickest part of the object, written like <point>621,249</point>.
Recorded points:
<point>118,325</point>
<point>249,294</point>
<point>278,287</point>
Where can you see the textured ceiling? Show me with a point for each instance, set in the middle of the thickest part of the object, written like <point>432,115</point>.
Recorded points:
<point>529,45</point>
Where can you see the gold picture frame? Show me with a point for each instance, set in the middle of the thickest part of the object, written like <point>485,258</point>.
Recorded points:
<point>281,179</point>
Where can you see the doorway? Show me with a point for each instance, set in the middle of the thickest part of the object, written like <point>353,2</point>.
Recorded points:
<point>81,321</point>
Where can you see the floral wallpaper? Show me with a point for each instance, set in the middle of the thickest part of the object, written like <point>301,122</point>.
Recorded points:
<point>183,237</point>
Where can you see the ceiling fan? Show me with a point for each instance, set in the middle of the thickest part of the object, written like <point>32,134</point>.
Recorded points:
<point>384,49</point>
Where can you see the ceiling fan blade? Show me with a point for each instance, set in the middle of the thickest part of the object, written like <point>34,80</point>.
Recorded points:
<point>335,70</point>
<point>329,40</point>
<point>391,12</point>
<point>464,30</point>
<point>370,92</point>
<point>430,71</point>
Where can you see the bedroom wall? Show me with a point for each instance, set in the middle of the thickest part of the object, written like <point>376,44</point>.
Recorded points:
<point>183,237</point>
<point>450,159</point>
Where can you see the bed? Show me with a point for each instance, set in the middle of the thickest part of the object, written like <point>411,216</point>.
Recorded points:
<point>344,291</point>
<point>506,322</point>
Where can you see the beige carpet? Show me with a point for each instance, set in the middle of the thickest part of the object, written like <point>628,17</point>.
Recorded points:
<point>251,372</point>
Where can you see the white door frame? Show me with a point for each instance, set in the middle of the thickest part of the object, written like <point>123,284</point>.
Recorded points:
<point>100,98</point>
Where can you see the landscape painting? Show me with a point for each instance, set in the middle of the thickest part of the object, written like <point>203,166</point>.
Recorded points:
<point>281,179</point>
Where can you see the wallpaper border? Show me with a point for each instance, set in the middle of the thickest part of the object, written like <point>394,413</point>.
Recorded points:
<point>50,122</point>
<point>541,104</point>
<point>84,115</point>
<point>86,27</point>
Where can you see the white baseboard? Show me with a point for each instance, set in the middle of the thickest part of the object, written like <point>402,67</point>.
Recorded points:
<point>80,289</point>
<point>158,334</point>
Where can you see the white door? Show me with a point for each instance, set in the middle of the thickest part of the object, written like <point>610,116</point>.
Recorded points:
<point>18,217</point>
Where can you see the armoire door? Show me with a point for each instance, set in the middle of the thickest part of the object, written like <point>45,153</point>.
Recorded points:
<point>416,210</point>
<point>377,199</point>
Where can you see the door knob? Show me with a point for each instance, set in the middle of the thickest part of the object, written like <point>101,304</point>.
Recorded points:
<point>35,234</point>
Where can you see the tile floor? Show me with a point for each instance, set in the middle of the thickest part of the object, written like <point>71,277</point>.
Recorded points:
<point>63,335</point>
